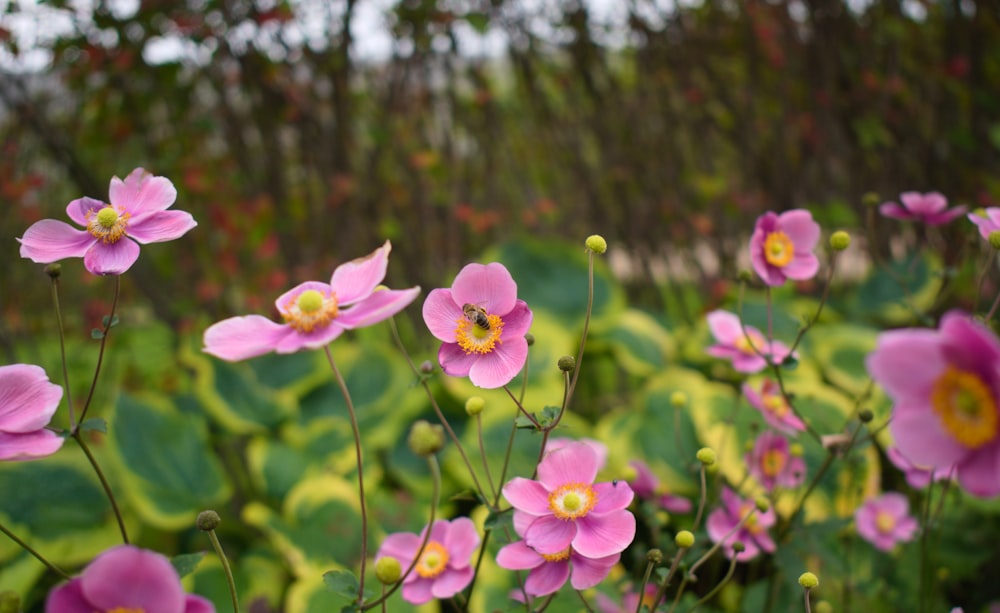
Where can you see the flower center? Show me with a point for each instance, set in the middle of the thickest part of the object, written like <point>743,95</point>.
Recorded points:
<point>778,249</point>
<point>773,462</point>
<point>433,561</point>
<point>124,610</point>
<point>556,557</point>
<point>885,522</point>
<point>473,338</point>
<point>751,524</point>
<point>311,310</point>
<point>775,405</point>
<point>966,407</point>
<point>750,341</point>
<point>572,500</point>
<point>107,225</point>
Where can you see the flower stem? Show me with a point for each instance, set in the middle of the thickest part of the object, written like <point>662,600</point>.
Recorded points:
<point>104,483</point>
<point>715,590</point>
<point>37,555</point>
<point>212,536</point>
<point>100,354</point>
<point>586,326</point>
<point>704,495</point>
<point>62,352</point>
<point>650,565</point>
<point>808,606</point>
<point>482,454</point>
<point>662,590</point>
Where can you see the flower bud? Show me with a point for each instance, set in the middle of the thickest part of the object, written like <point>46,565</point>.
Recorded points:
<point>207,521</point>
<point>426,367</point>
<point>474,406</point>
<point>744,276</point>
<point>870,199</point>
<point>53,270</point>
<point>823,606</point>
<point>706,456</point>
<point>684,539</point>
<point>762,503</point>
<point>529,338</point>
<point>840,240</point>
<point>678,400</point>
<point>597,244</point>
<point>425,438</point>
<point>995,239</point>
<point>797,450</point>
<point>567,363</point>
<point>865,415</point>
<point>808,580</point>
<point>739,547</point>
<point>654,555</point>
<point>388,570</point>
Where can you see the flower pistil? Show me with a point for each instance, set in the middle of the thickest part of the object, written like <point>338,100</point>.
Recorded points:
<point>572,500</point>
<point>433,561</point>
<point>311,310</point>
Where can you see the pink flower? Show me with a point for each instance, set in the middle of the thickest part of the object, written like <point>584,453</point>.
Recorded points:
<point>772,464</point>
<point>772,405</point>
<point>781,246</point>
<point>930,208</point>
<point>918,477</point>
<point>944,385</point>
<point>746,351</point>
<point>987,222</point>
<point>549,572</point>
<point>109,245</point>
<point>565,508</point>
<point>315,313</point>
<point>126,578</point>
<point>646,485</point>
<point>481,324</point>
<point>599,448</point>
<point>444,568</point>
<point>27,402</point>
<point>885,521</point>
<point>630,601</point>
<point>753,534</point>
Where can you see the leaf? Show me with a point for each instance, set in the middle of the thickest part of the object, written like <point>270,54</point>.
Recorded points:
<point>96,334</point>
<point>480,22</point>
<point>341,582</point>
<point>96,424</point>
<point>185,563</point>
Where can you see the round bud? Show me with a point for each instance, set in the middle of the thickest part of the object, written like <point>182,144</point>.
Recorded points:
<point>596,243</point>
<point>678,400</point>
<point>567,363</point>
<point>529,338</point>
<point>706,456</point>
<point>684,539</point>
<point>865,415</point>
<point>823,606</point>
<point>53,270</point>
<point>840,240</point>
<point>426,367</point>
<point>762,503</point>
<point>797,450</point>
<point>474,406</point>
<point>808,580</point>
<point>208,521</point>
<point>388,570</point>
<point>744,276</point>
<point>739,547</point>
<point>995,239</point>
<point>870,199</point>
<point>425,438</point>
<point>654,555</point>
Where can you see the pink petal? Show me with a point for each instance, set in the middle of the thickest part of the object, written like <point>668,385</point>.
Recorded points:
<point>574,463</point>
<point>770,275</point>
<point>718,524</point>
<point>918,434</point>
<point>802,267</point>
<point>547,578</point>
<point>161,226</point>
<point>68,598</point>
<point>906,363</point>
<point>380,306</point>
<point>111,258</point>
<point>550,534</point>
<point>497,368</point>
<point>29,445</point>
<point>645,483</point>
<point>522,520</point>
<point>944,217</point>
<point>980,472</point>
<point>239,338</point>
<point>460,541</point>
<point>197,604</point>
<point>489,286</point>
<point>27,399</point>
<point>799,226</point>
<point>893,503</point>
<point>599,536</point>
<point>969,346</point>
<point>141,193</point>
<point>132,578</point>
<point>400,545</point>
<point>358,278</point>
<point>419,591</point>
<point>454,361</point>
<point>441,314</point>
<point>924,204</point>
<point>518,321</point>
<point>987,224</point>
<point>49,240</point>
<point>528,496</point>
<point>750,550</point>
<point>612,497</point>
<point>588,572</point>
<point>452,581</point>
<point>317,339</point>
<point>725,327</point>
<point>518,556</point>
<point>893,210</point>
<point>79,208</point>
<point>749,363</point>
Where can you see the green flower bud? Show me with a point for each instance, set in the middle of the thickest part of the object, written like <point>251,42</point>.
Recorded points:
<point>53,270</point>
<point>678,400</point>
<point>739,547</point>
<point>870,199</point>
<point>474,406</point>
<point>706,456</point>
<point>684,539</point>
<point>866,415</point>
<point>388,570</point>
<point>995,239</point>
<point>597,244</point>
<point>567,363</point>
<point>654,555</point>
<point>797,450</point>
<point>823,606</point>
<point>762,503</point>
<point>207,521</point>
<point>529,338</point>
<point>426,367</point>
<point>744,276</point>
<point>840,240</point>
<point>808,580</point>
<point>425,438</point>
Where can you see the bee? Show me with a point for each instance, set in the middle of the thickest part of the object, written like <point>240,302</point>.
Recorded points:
<point>477,315</point>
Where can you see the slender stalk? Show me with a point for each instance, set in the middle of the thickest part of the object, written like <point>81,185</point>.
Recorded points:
<point>715,590</point>
<point>482,454</point>
<point>52,567</point>
<point>993,308</point>
<point>662,590</point>
<point>704,496</point>
<point>583,599</point>
<point>506,463</point>
<point>104,483</point>
<point>212,536</point>
<point>520,407</point>
<point>586,327</point>
<point>100,354</point>
<point>650,565</point>
<point>808,606</point>
<point>62,352</point>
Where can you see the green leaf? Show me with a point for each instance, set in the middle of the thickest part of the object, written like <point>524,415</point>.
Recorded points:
<point>185,563</point>
<point>523,422</point>
<point>341,582</point>
<point>96,334</point>
<point>480,22</point>
<point>96,424</point>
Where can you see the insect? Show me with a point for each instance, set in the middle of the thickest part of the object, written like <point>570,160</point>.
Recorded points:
<point>477,315</point>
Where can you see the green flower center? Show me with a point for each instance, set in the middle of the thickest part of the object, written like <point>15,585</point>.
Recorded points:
<point>310,301</point>
<point>107,225</point>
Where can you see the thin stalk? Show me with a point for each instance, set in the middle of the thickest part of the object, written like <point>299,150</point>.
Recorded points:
<point>715,590</point>
<point>212,536</point>
<point>808,606</point>
<point>586,327</point>
<point>62,352</point>
<point>52,567</point>
<point>104,483</point>
<point>100,353</point>
<point>662,590</point>
<point>650,565</point>
<point>702,499</point>
<point>482,454</point>
<point>583,599</point>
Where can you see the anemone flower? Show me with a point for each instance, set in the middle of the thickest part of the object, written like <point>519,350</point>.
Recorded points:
<point>772,464</point>
<point>315,313</point>
<point>885,521</point>
<point>753,534</point>
<point>565,508</point>
<point>126,578</point>
<point>781,246</point>
<point>27,402</point>
<point>109,244</point>
<point>774,407</point>
<point>481,324</point>
<point>918,477</point>
<point>748,351</point>
<point>549,572</point>
<point>988,221</point>
<point>647,486</point>
<point>930,208</point>
<point>444,568</point>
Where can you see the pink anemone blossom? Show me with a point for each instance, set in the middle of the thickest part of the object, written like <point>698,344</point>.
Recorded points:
<point>945,388</point>
<point>126,578</point>
<point>444,568</point>
<point>772,464</point>
<point>774,407</point>
<point>781,246</point>
<point>918,477</point>
<point>565,508</point>
<point>109,244</point>
<point>885,521</point>
<point>481,324</point>
<point>27,403</point>
<point>549,572</point>
<point>746,350</point>
<point>647,486</point>
<point>315,313</point>
<point>753,533</point>
<point>599,448</point>
<point>987,222</point>
<point>930,208</point>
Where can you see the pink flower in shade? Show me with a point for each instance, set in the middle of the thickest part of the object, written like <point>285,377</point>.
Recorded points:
<point>781,246</point>
<point>27,402</point>
<point>109,244</point>
<point>753,534</point>
<point>481,324</point>
<point>918,477</point>
<point>772,405</point>
<point>945,388</point>
<point>565,508</point>
<point>745,350</point>
<point>772,464</point>
<point>630,601</point>
<point>988,222</point>
<point>599,448</point>
<point>315,313</point>
<point>126,579</point>
<point>647,486</point>
<point>930,208</point>
<point>885,521</point>
<point>444,568</point>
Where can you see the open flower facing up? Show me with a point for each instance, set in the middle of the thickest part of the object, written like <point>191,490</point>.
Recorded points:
<point>126,579</point>
<point>565,508</point>
<point>753,534</point>
<point>27,403</point>
<point>945,388</point>
<point>918,477</point>
<point>772,464</point>
<point>315,313</point>
<point>885,521</point>
<point>774,407</point>
<point>781,246</point>
<point>109,244</point>
<point>987,222</point>
<point>481,324</point>
<point>647,486</point>
<point>930,208</point>
<point>444,568</point>
<point>746,351</point>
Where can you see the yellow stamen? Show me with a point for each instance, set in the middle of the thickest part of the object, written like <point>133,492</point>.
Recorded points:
<point>556,557</point>
<point>966,407</point>
<point>751,524</point>
<point>752,340</point>
<point>572,500</point>
<point>773,462</point>
<point>311,310</point>
<point>107,225</point>
<point>884,522</point>
<point>474,339</point>
<point>124,610</point>
<point>433,561</point>
<point>775,404</point>
<point>778,249</point>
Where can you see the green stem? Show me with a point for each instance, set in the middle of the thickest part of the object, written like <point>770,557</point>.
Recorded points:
<point>62,352</point>
<point>37,555</point>
<point>661,591</point>
<point>104,483</point>
<point>482,454</point>
<point>650,565</point>
<point>226,569</point>
<point>715,590</point>
<point>586,327</point>
<point>100,354</point>
<point>704,496</point>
